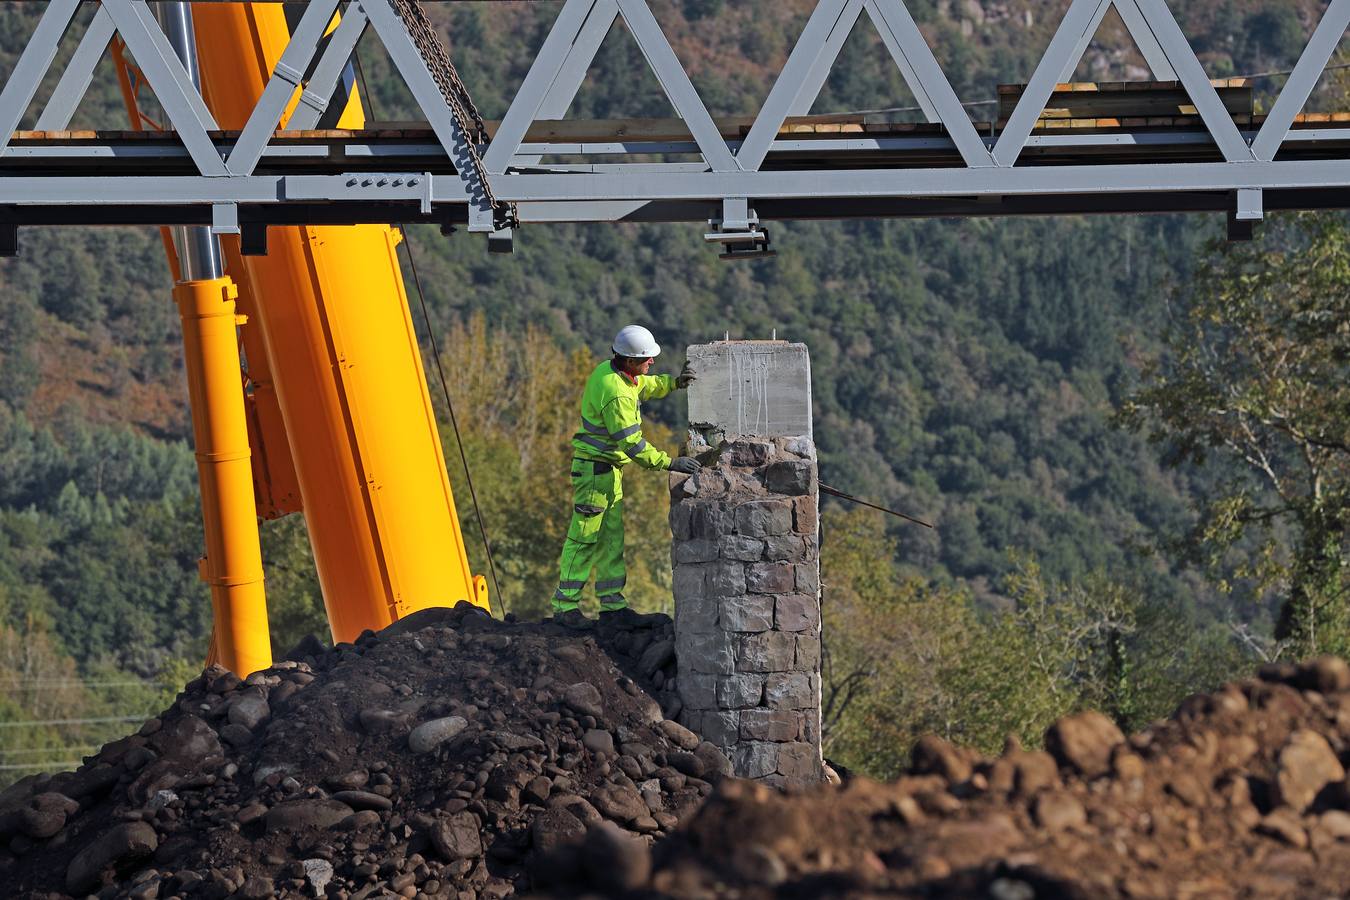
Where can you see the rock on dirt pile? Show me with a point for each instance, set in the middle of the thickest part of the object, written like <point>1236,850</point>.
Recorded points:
<point>447,756</point>
<point>1242,793</point>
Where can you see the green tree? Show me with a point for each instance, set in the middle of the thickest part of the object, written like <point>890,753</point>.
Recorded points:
<point>904,658</point>
<point>294,599</point>
<point>1256,375</point>
<point>1103,643</point>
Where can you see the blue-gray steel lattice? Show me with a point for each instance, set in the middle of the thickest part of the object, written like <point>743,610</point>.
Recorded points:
<point>206,178</point>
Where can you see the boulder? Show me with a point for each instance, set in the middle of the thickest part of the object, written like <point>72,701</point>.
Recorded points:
<point>657,656</point>
<point>249,709</point>
<point>555,828</point>
<point>457,837</point>
<point>187,739</point>
<point>1059,810</point>
<point>614,859</point>
<point>678,735</point>
<point>622,804</point>
<point>1306,764</point>
<point>359,800</point>
<point>116,848</point>
<point>933,755</point>
<point>1328,674</point>
<point>297,815</point>
<point>1084,742</point>
<point>584,698</point>
<point>599,742</point>
<point>382,721</point>
<point>430,735</point>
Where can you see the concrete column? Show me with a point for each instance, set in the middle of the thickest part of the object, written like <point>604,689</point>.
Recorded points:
<point>747,562</point>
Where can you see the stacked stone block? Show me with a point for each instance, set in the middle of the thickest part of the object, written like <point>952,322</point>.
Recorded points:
<point>747,605</point>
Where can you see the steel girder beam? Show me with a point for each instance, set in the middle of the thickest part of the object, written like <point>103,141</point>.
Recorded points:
<point>654,185</point>
<point>1152,26</point>
<point>252,216</point>
<point>739,173</point>
<point>918,182</point>
<point>183,104</point>
<point>1137,26</point>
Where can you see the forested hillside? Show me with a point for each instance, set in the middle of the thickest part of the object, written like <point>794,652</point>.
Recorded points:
<point>965,370</point>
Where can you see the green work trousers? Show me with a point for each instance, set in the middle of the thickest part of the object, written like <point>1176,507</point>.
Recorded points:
<point>594,538</point>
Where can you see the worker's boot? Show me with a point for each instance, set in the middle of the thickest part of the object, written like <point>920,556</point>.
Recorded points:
<point>574,619</point>
<point>623,619</point>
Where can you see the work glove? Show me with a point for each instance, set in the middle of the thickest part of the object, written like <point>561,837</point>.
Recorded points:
<point>685,465</point>
<point>685,377</point>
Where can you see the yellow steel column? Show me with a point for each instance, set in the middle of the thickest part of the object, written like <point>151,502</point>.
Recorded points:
<point>349,381</point>
<point>233,562</point>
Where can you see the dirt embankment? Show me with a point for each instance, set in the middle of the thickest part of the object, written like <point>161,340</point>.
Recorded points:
<point>446,756</point>
<point>1242,793</point>
<point>454,756</point>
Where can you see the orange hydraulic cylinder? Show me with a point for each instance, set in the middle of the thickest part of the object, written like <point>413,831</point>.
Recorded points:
<point>233,562</point>
<point>346,367</point>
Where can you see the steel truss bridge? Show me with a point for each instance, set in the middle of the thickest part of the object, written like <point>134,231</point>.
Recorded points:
<point>496,176</point>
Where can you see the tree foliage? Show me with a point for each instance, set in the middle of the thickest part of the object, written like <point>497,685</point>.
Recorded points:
<point>904,657</point>
<point>1256,375</point>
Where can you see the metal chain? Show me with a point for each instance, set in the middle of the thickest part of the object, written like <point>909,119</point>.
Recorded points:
<point>470,121</point>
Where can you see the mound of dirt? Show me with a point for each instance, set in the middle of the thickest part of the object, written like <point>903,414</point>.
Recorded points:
<point>455,756</point>
<point>1242,793</point>
<point>448,756</point>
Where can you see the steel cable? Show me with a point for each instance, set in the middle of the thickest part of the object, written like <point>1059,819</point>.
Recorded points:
<point>471,125</point>
<point>440,368</point>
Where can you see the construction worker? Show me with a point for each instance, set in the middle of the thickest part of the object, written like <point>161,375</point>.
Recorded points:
<point>609,437</point>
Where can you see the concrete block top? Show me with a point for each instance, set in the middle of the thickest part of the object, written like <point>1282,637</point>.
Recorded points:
<point>750,389</point>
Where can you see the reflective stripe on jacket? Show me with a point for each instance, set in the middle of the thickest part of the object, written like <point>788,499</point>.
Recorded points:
<point>611,421</point>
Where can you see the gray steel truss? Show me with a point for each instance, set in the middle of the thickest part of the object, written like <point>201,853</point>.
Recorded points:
<point>197,174</point>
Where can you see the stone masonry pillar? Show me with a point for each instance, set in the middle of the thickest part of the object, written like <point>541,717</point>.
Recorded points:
<point>747,562</point>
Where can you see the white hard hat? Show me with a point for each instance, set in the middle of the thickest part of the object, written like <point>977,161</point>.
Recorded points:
<point>636,342</point>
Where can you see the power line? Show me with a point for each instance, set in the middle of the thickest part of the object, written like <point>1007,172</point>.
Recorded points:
<point>77,678</point>
<point>891,109</point>
<point>1288,72</point>
<point>91,721</point>
<point>56,683</point>
<point>29,751</point>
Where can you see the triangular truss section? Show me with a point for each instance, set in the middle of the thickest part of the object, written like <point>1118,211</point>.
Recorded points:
<point>433,83</point>
<point>1155,31</point>
<point>561,65</point>
<point>1137,28</point>
<point>811,60</point>
<point>164,73</point>
<point>862,60</point>
<point>79,73</point>
<point>642,92</point>
<point>1309,68</point>
<point>1115,27</point>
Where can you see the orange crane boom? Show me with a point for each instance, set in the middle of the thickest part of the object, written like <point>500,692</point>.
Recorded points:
<point>342,412</point>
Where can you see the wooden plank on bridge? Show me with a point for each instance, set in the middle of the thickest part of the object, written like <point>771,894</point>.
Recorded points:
<point>1091,100</point>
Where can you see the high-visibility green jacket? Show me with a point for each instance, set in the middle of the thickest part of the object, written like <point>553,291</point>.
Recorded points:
<point>611,421</point>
